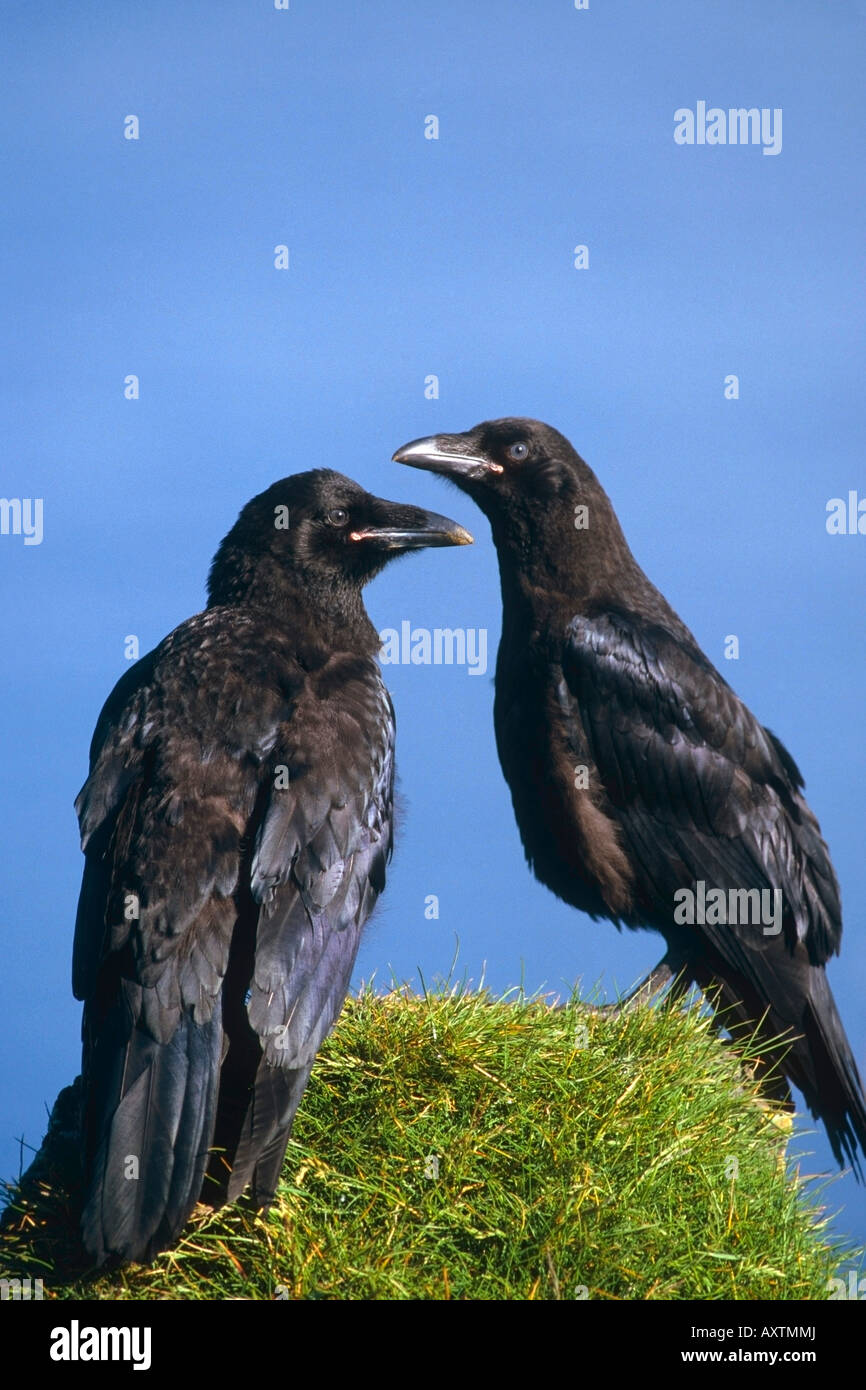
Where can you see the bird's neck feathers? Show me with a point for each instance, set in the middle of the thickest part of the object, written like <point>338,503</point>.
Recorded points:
<point>567,552</point>
<point>321,612</point>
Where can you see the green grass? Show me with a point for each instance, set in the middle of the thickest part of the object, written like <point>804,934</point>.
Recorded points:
<point>578,1156</point>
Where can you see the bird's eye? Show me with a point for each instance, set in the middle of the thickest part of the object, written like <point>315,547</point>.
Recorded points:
<point>518,451</point>
<point>337,516</point>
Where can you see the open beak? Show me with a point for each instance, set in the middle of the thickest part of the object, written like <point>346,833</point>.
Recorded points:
<point>413,530</point>
<point>441,453</point>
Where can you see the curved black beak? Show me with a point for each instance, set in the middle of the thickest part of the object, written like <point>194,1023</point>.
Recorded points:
<point>410,528</point>
<point>447,454</point>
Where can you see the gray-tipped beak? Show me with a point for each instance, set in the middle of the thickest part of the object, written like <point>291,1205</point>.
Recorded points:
<point>430,529</point>
<point>440,453</point>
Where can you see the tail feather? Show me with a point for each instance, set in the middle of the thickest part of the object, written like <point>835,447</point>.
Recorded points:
<point>257,1106</point>
<point>823,1067</point>
<point>792,1001</point>
<point>147,1131</point>
<point>258,1159</point>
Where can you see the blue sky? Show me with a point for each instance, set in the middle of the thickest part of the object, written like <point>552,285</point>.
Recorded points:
<point>411,257</point>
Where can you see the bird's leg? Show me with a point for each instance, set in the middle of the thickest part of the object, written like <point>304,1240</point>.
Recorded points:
<point>667,970</point>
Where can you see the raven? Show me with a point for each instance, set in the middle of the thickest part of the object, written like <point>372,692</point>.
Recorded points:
<point>643,788</point>
<point>236,823</point>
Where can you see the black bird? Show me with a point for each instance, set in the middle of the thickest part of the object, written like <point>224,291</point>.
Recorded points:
<point>640,781</point>
<point>236,822</point>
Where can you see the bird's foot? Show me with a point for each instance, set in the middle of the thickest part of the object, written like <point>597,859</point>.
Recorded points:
<point>657,980</point>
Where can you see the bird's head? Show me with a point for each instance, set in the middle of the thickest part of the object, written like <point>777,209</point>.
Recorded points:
<point>544,503</point>
<point>324,530</point>
<point>503,464</point>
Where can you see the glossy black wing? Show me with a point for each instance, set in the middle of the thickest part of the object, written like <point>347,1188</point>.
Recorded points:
<point>208,884</point>
<point>699,789</point>
<point>318,866</point>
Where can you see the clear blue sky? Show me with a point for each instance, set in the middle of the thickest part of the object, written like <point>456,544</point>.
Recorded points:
<point>411,257</point>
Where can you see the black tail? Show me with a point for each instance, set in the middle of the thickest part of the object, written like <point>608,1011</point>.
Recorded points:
<point>149,1116</point>
<point>822,1065</point>
<point>257,1105</point>
<point>791,999</point>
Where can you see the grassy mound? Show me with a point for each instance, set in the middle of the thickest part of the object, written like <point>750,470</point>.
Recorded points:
<point>456,1146</point>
